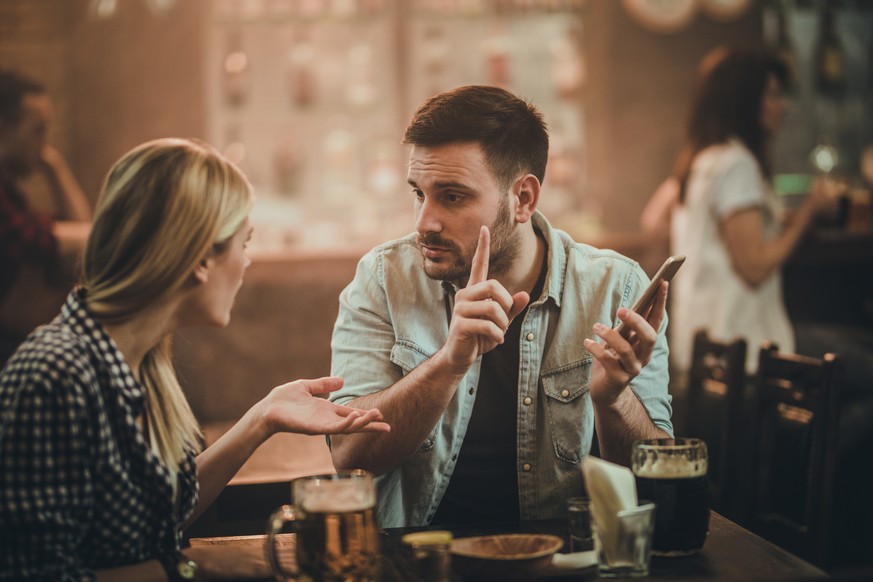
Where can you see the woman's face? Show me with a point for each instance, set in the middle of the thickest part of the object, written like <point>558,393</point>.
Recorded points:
<point>226,275</point>
<point>773,106</point>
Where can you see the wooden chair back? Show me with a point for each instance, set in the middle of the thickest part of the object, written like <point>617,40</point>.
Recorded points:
<point>716,386</point>
<point>795,447</point>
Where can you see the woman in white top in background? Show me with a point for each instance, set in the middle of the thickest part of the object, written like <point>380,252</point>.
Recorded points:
<point>726,218</point>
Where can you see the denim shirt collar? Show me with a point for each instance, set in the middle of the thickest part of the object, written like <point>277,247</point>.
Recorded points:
<point>556,255</point>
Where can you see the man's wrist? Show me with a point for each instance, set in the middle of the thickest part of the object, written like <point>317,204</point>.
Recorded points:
<point>441,364</point>
<point>616,404</point>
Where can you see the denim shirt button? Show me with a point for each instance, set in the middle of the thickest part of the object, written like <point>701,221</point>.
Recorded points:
<point>526,467</point>
<point>527,401</point>
<point>565,393</point>
<point>530,336</point>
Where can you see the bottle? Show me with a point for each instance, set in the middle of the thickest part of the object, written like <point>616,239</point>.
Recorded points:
<point>830,64</point>
<point>302,72</point>
<point>785,51</point>
<point>498,57</point>
<point>236,64</point>
<point>870,68</point>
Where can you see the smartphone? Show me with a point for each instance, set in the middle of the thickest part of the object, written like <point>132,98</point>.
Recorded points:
<point>665,273</point>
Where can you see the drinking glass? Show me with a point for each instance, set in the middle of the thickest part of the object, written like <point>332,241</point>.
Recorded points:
<point>579,524</point>
<point>334,519</point>
<point>431,551</point>
<point>624,544</point>
<point>672,473</point>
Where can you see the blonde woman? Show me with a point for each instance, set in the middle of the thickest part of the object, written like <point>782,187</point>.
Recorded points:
<point>99,470</point>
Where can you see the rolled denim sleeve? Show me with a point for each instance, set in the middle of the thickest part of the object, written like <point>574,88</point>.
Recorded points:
<point>363,336</point>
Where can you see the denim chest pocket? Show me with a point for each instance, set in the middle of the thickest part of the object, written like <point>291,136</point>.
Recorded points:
<point>408,356</point>
<point>569,415</point>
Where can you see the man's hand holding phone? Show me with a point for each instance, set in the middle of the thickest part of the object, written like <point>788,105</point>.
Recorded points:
<point>628,348</point>
<point>646,301</point>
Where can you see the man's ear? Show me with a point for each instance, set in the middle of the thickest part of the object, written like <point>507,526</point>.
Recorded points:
<point>527,190</point>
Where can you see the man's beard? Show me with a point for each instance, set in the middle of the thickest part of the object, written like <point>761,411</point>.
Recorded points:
<point>505,248</point>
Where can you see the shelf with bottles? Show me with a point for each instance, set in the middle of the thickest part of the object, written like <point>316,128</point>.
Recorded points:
<point>284,11</point>
<point>306,108</point>
<point>540,59</point>
<point>829,46</point>
<point>312,105</point>
<point>833,28</point>
<point>325,70</point>
<point>487,8</point>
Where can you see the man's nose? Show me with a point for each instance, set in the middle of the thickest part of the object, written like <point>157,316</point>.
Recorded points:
<point>427,218</point>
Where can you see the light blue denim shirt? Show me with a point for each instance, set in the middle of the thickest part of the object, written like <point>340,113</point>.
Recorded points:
<point>392,317</point>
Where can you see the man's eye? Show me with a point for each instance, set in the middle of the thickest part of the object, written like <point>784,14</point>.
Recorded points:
<point>452,198</point>
<point>417,193</point>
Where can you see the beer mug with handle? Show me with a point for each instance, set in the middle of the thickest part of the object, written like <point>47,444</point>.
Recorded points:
<point>672,473</point>
<point>333,517</point>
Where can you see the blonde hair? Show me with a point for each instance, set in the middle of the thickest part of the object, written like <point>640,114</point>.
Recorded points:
<point>163,206</point>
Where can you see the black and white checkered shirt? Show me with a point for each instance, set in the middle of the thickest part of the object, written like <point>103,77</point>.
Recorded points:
<point>80,488</point>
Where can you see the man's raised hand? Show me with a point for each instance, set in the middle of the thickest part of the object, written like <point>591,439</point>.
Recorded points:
<point>483,311</point>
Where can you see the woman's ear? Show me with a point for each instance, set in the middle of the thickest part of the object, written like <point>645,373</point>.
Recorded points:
<point>528,195</point>
<point>202,269</point>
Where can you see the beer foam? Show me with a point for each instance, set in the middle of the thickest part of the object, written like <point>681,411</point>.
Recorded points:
<point>671,468</point>
<point>338,501</point>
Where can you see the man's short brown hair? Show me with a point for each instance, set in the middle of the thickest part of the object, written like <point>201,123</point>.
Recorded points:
<point>511,132</point>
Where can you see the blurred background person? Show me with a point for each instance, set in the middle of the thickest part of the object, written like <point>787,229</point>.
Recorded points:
<point>48,184</point>
<point>100,470</point>
<point>720,210</point>
<point>723,213</point>
<point>38,249</point>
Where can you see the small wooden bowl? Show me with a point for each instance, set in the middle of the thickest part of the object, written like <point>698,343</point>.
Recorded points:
<point>503,557</point>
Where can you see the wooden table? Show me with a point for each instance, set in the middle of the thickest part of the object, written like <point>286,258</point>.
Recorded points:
<point>730,553</point>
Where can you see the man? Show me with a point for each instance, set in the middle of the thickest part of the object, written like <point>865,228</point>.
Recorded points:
<point>37,254</point>
<point>474,336</point>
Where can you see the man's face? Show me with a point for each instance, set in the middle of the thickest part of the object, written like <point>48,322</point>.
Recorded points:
<point>455,194</point>
<point>22,144</point>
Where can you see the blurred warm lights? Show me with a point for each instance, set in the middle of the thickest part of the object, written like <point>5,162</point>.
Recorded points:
<point>105,9</point>
<point>236,62</point>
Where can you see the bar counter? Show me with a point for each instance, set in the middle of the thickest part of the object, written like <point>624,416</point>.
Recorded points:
<point>829,278</point>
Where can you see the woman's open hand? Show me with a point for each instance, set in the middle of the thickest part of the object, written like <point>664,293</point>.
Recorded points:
<point>293,408</point>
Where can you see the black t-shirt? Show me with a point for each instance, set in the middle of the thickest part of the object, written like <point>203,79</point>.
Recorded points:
<point>484,484</point>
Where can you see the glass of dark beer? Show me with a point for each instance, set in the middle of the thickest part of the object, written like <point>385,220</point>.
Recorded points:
<point>335,522</point>
<point>672,473</point>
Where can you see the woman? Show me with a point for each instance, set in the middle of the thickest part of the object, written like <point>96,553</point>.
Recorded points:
<point>725,216</point>
<point>98,473</point>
